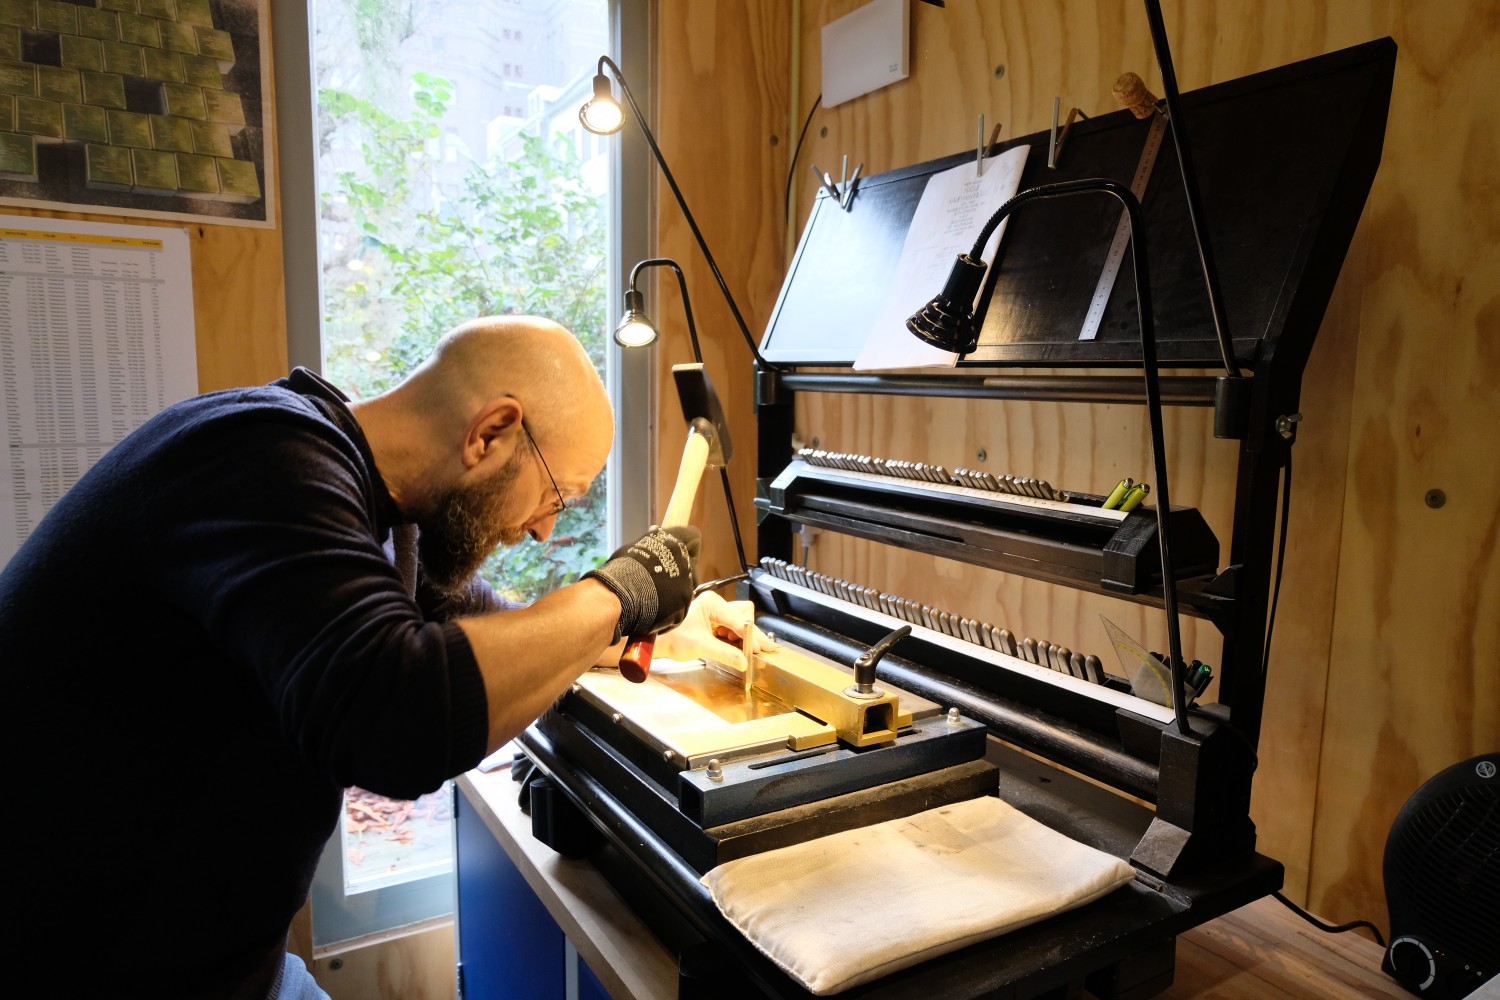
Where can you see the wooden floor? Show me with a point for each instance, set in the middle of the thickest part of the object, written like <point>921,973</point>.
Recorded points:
<point>1263,950</point>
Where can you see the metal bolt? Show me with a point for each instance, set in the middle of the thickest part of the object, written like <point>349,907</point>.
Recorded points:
<point>715,770</point>
<point>614,717</point>
<point>954,718</point>
<point>1000,71</point>
<point>1435,498</point>
<point>668,756</point>
<point>1285,424</point>
<point>982,455</point>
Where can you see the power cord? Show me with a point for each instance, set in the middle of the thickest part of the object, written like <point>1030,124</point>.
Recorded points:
<point>1330,928</point>
<point>1286,517</point>
<point>786,208</point>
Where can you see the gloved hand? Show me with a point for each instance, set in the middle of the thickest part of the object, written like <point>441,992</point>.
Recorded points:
<point>653,578</point>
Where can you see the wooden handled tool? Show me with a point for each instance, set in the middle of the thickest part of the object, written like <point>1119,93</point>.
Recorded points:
<point>707,445</point>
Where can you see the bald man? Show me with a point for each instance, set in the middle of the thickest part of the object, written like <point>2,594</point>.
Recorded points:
<point>266,595</point>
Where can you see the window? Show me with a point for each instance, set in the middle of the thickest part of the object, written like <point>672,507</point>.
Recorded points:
<point>409,185</point>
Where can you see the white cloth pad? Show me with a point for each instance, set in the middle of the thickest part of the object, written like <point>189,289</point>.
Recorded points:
<point>848,908</point>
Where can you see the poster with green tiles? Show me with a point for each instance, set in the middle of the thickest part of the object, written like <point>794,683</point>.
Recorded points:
<point>137,107</point>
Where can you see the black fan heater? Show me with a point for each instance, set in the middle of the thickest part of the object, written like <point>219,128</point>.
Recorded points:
<point>1442,884</point>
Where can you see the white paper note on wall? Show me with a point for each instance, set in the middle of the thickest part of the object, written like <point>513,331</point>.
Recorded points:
<point>96,336</point>
<point>953,209</point>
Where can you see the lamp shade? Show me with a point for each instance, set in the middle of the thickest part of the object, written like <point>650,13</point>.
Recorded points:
<point>602,114</point>
<point>635,328</point>
<point>947,322</point>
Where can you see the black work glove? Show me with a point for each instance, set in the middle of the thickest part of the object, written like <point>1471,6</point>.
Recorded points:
<point>653,578</point>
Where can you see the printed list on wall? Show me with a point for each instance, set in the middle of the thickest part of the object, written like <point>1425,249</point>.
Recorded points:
<point>96,336</point>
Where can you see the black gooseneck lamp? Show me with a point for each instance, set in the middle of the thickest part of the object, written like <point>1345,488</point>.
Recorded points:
<point>637,330</point>
<point>603,115</point>
<point>948,322</point>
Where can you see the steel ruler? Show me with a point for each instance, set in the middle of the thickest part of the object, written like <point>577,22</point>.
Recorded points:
<point>1117,246</point>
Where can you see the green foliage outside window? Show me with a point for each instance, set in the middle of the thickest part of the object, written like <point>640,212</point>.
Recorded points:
<point>432,238</point>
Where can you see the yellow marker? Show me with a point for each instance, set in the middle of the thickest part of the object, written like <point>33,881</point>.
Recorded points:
<point>1117,494</point>
<point>1135,496</point>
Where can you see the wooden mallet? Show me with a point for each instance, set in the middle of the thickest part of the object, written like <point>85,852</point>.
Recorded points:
<point>707,447</point>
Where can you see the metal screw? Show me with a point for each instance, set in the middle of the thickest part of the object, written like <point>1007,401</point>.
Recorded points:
<point>614,717</point>
<point>668,756</point>
<point>1435,498</point>
<point>1000,71</point>
<point>982,455</point>
<point>336,964</point>
<point>816,443</point>
<point>715,770</point>
<point>823,132</point>
<point>775,140</point>
<point>953,717</point>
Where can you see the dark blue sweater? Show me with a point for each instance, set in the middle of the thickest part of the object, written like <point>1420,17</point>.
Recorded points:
<point>204,641</point>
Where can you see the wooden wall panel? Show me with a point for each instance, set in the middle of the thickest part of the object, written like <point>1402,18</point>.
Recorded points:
<point>721,80</point>
<point>1384,661</point>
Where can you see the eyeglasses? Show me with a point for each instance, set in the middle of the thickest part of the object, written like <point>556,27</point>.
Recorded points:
<point>561,504</point>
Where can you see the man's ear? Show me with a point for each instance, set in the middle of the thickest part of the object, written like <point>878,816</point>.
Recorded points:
<point>496,427</point>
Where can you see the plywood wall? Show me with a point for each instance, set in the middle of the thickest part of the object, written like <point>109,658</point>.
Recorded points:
<point>1384,667</point>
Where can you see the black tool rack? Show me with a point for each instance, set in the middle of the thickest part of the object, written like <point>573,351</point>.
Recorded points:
<point>1284,162</point>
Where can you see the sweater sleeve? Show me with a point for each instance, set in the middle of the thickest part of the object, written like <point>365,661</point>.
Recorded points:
<point>268,541</point>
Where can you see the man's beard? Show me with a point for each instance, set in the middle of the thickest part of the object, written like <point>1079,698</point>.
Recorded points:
<point>466,527</point>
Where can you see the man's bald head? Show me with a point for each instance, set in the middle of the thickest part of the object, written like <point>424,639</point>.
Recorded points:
<point>533,359</point>
<point>501,393</point>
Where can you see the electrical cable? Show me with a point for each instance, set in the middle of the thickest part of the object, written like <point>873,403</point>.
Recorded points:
<point>786,208</point>
<point>1286,517</point>
<point>1331,928</point>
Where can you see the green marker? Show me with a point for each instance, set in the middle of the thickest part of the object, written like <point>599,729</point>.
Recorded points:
<point>1118,493</point>
<point>1135,496</point>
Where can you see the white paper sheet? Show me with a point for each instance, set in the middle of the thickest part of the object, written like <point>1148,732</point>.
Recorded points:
<point>96,335</point>
<point>954,207</point>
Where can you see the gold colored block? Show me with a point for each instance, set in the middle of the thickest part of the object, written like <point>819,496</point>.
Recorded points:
<point>128,6</point>
<point>183,100</point>
<point>225,108</point>
<point>18,157</point>
<point>820,690</point>
<point>194,12</point>
<point>173,135</point>
<point>10,42</point>
<point>123,58</point>
<point>59,17</point>
<point>178,37</point>
<point>155,172</point>
<point>82,53</point>
<point>197,175</point>
<point>139,30</point>
<point>107,167</point>
<point>58,84</point>
<point>103,24</point>
<point>85,123</point>
<point>17,78</point>
<point>201,71</point>
<point>40,118</point>
<point>216,44</point>
<point>21,13</point>
<point>211,139</point>
<point>105,90</point>
<point>165,9</point>
<point>238,180</point>
<point>164,66</point>
<point>129,128</point>
<point>7,113</point>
